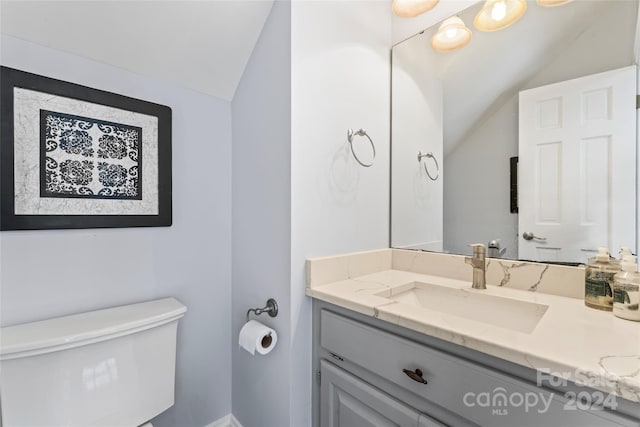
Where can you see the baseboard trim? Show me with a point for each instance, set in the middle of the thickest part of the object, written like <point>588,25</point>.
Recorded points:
<point>226,421</point>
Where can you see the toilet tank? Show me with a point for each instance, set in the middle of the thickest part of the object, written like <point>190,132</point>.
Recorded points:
<point>112,367</point>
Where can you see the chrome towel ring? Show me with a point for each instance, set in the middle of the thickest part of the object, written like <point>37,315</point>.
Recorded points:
<point>361,132</point>
<point>430,156</point>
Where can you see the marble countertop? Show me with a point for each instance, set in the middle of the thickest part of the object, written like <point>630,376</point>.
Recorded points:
<point>589,347</point>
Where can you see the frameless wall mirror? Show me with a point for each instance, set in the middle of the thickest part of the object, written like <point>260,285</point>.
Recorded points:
<point>557,90</point>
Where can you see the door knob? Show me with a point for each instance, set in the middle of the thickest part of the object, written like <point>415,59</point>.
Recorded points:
<point>528,235</point>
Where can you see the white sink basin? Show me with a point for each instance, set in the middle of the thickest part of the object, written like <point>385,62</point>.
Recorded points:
<point>475,305</point>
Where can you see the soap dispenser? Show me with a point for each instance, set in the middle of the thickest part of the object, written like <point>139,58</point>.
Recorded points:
<point>599,277</point>
<point>624,251</point>
<point>626,290</point>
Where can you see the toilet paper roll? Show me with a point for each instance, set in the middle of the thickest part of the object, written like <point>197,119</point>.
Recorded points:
<point>254,336</point>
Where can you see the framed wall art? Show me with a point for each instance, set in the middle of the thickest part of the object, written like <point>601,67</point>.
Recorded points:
<point>76,157</point>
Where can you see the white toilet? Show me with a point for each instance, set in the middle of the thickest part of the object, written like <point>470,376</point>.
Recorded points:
<point>112,367</point>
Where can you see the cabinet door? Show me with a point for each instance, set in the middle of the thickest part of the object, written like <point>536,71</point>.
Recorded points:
<point>425,421</point>
<point>346,401</point>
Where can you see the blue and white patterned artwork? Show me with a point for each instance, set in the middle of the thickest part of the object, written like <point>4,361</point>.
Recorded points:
<point>83,157</point>
<point>73,157</point>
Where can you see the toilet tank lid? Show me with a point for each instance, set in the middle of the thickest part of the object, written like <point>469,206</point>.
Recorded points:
<point>61,333</point>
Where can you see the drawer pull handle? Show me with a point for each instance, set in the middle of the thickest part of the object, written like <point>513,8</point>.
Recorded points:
<point>415,375</point>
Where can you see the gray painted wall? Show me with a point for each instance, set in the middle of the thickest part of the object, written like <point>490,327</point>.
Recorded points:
<point>290,115</point>
<point>261,247</point>
<point>51,273</point>
<point>476,202</point>
<point>340,79</point>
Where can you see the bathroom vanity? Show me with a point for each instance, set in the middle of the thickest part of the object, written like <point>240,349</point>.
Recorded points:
<point>400,338</point>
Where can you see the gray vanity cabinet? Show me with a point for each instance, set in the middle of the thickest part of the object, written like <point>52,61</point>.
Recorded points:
<point>350,402</point>
<point>370,377</point>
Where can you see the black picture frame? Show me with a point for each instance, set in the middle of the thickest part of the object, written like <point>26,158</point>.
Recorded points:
<point>12,78</point>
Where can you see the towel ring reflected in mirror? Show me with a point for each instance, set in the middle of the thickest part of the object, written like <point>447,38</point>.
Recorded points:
<point>360,132</point>
<point>426,169</point>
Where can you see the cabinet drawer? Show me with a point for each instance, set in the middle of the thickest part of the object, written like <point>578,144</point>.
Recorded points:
<point>479,394</point>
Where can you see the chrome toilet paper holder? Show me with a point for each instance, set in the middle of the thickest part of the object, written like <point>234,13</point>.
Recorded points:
<point>271,308</point>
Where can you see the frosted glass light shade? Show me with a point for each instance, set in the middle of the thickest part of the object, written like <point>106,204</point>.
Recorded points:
<point>499,14</point>
<point>452,35</point>
<point>552,3</point>
<point>412,8</point>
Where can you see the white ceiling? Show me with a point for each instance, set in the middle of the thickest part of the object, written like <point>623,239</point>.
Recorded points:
<point>202,45</point>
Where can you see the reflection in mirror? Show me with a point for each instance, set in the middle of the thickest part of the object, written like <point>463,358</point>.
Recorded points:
<point>557,91</point>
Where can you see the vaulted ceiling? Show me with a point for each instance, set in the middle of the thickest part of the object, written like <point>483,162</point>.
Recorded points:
<point>201,45</point>
<point>494,67</point>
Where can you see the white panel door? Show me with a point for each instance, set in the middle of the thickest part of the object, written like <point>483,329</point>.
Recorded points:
<point>577,167</point>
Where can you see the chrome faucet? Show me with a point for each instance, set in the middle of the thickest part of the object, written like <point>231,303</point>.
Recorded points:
<point>477,261</point>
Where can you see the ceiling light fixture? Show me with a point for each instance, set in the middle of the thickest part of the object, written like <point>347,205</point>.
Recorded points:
<point>498,14</point>
<point>452,35</point>
<point>552,3</point>
<point>412,8</point>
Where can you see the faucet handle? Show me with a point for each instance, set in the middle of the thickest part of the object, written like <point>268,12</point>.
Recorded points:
<point>478,249</point>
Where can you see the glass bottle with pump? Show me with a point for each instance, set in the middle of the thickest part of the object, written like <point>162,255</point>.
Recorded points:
<point>624,251</point>
<point>626,290</point>
<point>599,277</point>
